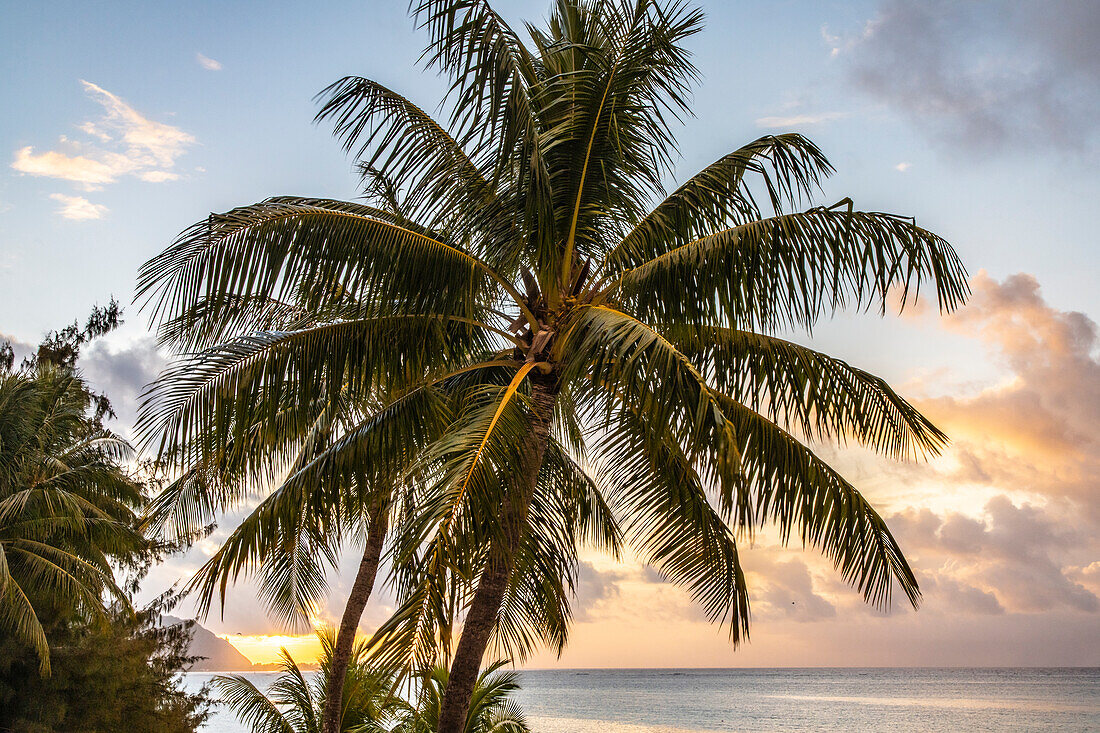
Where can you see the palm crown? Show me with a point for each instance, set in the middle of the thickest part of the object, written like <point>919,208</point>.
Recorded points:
<point>67,506</point>
<point>533,344</point>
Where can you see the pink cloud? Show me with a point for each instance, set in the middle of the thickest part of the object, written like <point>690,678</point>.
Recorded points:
<point>1036,432</point>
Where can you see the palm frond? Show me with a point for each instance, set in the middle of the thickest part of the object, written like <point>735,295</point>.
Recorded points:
<point>252,707</point>
<point>822,396</point>
<point>786,484</point>
<point>790,270</point>
<point>789,166</point>
<point>282,247</point>
<point>669,520</point>
<point>224,391</point>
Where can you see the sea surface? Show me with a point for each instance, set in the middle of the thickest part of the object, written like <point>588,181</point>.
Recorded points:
<point>694,701</point>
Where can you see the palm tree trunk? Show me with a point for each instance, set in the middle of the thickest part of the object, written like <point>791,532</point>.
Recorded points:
<point>349,623</point>
<point>485,606</point>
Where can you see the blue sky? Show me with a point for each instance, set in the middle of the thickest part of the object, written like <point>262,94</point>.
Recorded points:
<point>979,119</point>
<point>1010,209</point>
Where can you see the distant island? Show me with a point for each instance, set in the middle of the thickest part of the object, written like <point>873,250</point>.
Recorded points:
<point>217,654</point>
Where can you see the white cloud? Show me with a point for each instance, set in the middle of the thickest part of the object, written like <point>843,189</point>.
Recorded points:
<point>208,63</point>
<point>798,120</point>
<point>126,143</point>
<point>148,143</point>
<point>902,167</point>
<point>78,207</point>
<point>158,176</point>
<point>75,168</point>
<point>832,40</point>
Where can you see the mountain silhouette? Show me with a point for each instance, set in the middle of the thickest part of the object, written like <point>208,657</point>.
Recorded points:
<point>218,655</point>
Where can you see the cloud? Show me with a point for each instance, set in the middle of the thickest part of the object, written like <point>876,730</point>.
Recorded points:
<point>783,587</point>
<point>208,63</point>
<point>75,168</point>
<point>1036,431</point>
<point>839,43</point>
<point>148,143</point>
<point>121,371</point>
<point>122,142</point>
<point>78,207</point>
<point>797,120</point>
<point>960,597</point>
<point>903,167</point>
<point>1019,558</point>
<point>985,76</point>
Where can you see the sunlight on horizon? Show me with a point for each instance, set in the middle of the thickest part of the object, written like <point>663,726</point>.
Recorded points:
<point>265,649</point>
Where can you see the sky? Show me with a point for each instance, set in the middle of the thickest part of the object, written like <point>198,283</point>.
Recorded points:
<point>123,123</point>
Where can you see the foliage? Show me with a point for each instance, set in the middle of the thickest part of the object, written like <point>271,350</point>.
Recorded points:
<point>491,708</point>
<point>74,655</point>
<point>67,501</point>
<point>119,675</point>
<point>294,704</point>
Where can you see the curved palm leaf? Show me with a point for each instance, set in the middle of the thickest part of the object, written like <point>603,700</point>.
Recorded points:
<point>824,397</point>
<point>66,504</point>
<point>790,270</point>
<point>790,166</point>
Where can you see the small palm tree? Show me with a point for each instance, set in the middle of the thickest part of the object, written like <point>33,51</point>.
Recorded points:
<point>492,710</point>
<point>520,275</point>
<point>295,704</point>
<point>67,506</point>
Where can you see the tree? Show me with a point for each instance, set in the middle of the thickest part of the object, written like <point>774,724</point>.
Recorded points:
<point>74,654</point>
<point>491,708</point>
<point>288,537</point>
<point>124,674</point>
<point>528,247</point>
<point>297,529</point>
<point>294,703</point>
<point>67,503</point>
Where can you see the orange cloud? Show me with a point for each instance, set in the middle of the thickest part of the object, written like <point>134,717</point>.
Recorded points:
<point>1038,431</point>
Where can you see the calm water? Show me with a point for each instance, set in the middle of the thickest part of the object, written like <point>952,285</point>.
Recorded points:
<point>683,701</point>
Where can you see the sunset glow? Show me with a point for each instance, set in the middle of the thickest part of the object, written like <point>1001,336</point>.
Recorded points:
<point>265,649</point>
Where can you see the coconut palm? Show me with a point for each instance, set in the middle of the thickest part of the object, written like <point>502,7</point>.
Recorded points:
<point>294,702</point>
<point>524,260</point>
<point>300,525</point>
<point>491,708</point>
<point>67,506</point>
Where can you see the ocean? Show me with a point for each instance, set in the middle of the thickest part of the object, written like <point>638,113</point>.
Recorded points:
<point>705,700</point>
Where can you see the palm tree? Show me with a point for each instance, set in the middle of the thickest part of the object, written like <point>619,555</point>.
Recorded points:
<point>294,703</point>
<point>67,506</point>
<point>491,708</point>
<point>524,261</point>
<point>291,533</point>
<point>290,536</point>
